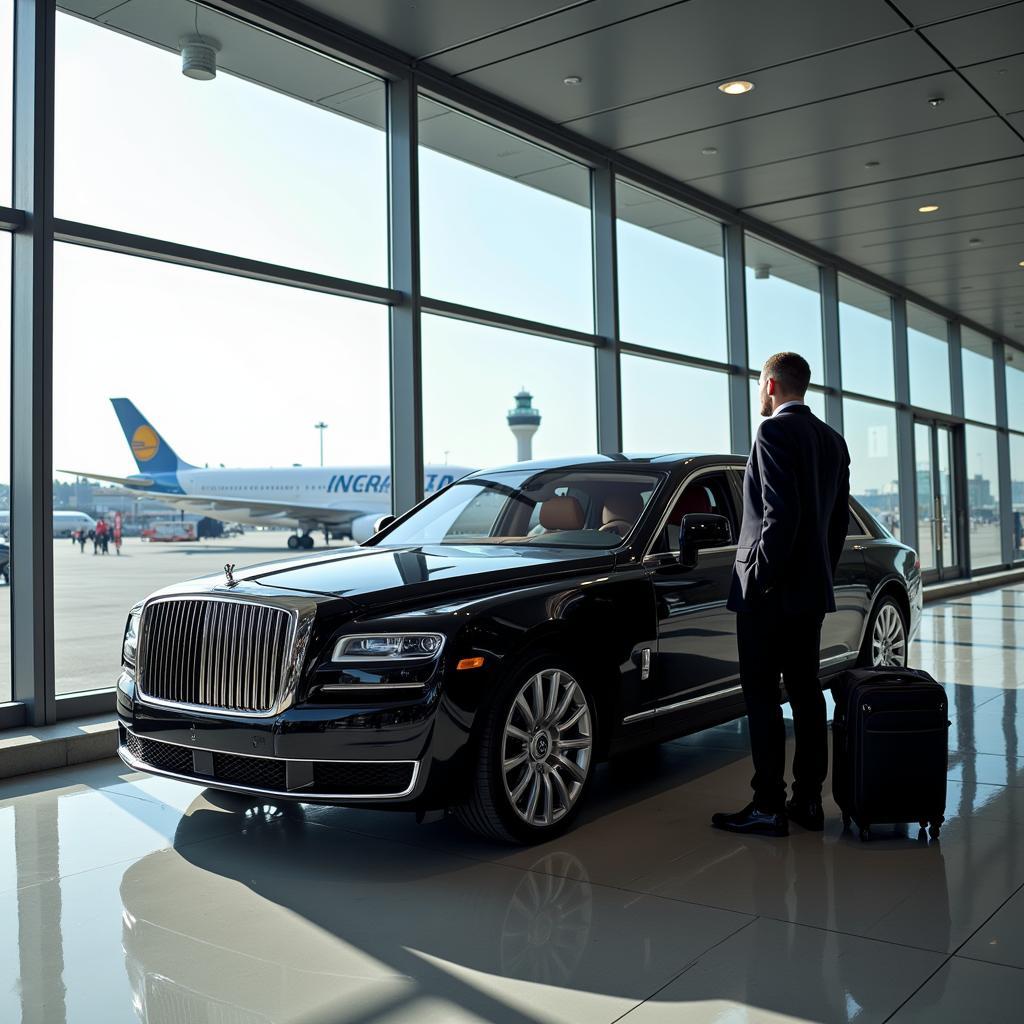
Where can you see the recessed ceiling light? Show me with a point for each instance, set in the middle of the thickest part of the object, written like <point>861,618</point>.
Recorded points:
<point>936,101</point>
<point>871,163</point>
<point>927,208</point>
<point>572,80</point>
<point>1021,263</point>
<point>737,88</point>
<point>973,242</point>
<point>709,151</point>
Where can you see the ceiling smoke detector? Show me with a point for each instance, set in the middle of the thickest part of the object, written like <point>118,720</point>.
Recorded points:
<point>762,272</point>
<point>199,57</point>
<point>572,80</point>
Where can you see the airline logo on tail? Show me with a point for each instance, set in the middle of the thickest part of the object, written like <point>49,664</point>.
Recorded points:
<point>145,443</point>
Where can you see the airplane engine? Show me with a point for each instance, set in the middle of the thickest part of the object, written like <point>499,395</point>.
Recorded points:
<point>362,527</point>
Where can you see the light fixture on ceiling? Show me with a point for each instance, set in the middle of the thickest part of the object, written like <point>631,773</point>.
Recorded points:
<point>1020,263</point>
<point>571,80</point>
<point>762,272</point>
<point>871,163</point>
<point>927,208</point>
<point>709,151</point>
<point>736,88</point>
<point>936,101</point>
<point>199,57</point>
<point>974,242</point>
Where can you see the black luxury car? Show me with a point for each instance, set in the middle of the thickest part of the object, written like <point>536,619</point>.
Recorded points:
<point>481,652</point>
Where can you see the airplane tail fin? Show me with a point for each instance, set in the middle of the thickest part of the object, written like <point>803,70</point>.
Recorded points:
<point>152,453</point>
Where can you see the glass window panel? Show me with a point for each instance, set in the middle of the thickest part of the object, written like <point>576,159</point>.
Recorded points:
<point>926,518</point>
<point>870,432</point>
<point>5,465</point>
<point>504,224</point>
<point>815,399</point>
<point>1015,388</point>
<point>783,306</point>
<point>653,418</point>
<point>979,376</point>
<point>282,158</point>
<point>547,388</point>
<point>671,276</point>
<point>865,339</point>
<point>1017,492</point>
<point>983,496</point>
<point>6,98</point>
<point>928,352</point>
<point>269,364</point>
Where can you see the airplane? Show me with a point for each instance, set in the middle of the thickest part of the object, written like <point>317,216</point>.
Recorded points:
<point>342,501</point>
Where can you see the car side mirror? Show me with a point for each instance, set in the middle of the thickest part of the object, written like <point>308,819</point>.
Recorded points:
<point>383,523</point>
<point>701,530</point>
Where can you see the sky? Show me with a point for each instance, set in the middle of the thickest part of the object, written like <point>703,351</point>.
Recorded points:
<point>238,372</point>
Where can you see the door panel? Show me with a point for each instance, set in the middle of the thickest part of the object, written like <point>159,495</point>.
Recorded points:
<point>696,632</point>
<point>938,513</point>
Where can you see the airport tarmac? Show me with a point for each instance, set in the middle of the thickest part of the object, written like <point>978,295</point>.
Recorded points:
<point>92,595</point>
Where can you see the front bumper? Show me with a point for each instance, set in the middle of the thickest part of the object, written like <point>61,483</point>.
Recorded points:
<point>331,755</point>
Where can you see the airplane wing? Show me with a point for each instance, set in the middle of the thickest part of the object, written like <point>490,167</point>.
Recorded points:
<point>246,510</point>
<point>125,481</point>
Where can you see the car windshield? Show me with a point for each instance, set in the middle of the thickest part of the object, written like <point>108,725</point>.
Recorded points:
<point>578,508</point>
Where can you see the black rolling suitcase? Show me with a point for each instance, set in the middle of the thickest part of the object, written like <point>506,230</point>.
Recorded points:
<point>889,742</point>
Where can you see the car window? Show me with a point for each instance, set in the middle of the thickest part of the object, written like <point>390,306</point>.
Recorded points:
<point>854,527</point>
<point>594,508</point>
<point>709,493</point>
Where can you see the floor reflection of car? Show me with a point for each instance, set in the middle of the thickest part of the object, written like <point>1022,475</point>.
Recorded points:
<point>482,651</point>
<point>293,945</point>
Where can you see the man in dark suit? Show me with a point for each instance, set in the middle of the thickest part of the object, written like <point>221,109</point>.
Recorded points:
<point>796,491</point>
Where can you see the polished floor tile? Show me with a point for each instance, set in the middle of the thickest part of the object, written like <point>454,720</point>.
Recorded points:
<point>129,898</point>
<point>772,972</point>
<point>967,992</point>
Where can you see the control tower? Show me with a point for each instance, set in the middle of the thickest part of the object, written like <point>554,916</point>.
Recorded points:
<point>524,421</point>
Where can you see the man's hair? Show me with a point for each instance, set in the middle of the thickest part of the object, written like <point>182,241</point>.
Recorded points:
<point>790,371</point>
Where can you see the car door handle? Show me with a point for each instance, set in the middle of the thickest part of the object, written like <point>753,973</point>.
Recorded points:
<point>858,547</point>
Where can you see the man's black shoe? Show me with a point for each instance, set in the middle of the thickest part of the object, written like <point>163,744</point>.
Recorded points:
<point>753,822</point>
<point>807,814</point>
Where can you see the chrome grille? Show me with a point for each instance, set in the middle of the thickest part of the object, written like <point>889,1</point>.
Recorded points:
<point>214,653</point>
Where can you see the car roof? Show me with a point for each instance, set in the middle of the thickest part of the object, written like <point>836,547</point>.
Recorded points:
<point>619,460</point>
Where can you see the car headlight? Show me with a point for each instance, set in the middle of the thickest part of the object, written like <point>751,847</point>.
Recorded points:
<point>388,647</point>
<point>130,645</point>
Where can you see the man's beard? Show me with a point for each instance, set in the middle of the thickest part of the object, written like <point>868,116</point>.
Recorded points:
<point>766,407</point>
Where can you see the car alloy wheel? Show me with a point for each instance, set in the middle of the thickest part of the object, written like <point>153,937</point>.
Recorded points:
<point>546,747</point>
<point>888,638</point>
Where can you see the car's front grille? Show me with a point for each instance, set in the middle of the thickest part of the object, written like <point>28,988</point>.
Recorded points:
<point>168,1001</point>
<point>270,774</point>
<point>214,653</point>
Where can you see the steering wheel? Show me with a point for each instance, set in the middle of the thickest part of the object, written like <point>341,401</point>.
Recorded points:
<point>619,526</point>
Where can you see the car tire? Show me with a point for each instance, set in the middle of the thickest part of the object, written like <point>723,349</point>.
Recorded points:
<point>529,782</point>
<point>885,640</point>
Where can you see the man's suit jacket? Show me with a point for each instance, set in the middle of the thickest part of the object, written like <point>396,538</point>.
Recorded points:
<point>796,492</point>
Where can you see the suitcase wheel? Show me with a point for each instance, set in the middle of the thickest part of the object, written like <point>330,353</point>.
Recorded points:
<point>865,833</point>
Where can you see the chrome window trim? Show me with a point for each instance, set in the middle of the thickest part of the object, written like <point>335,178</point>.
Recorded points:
<point>672,504</point>
<point>295,794</point>
<point>302,611</point>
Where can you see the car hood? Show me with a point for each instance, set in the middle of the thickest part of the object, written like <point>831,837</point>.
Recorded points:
<point>377,575</point>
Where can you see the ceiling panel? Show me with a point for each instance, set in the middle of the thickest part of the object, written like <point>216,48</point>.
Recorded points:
<point>958,210</point>
<point>832,124</point>
<point>977,141</point>
<point>572,20</point>
<point>1000,81</point>
<point>853,69</point>
<point>678,47</point>
<point>420,28</point>
<point>924,12</point>
<point>985,36</point>
<point>896,246</point>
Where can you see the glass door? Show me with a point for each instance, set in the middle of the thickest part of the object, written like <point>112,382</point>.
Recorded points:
<point>937,502</point>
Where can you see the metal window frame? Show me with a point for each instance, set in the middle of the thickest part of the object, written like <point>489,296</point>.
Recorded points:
<point>34,229</point>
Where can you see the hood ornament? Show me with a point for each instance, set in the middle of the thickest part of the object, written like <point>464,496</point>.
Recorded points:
<point>229,573</point>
